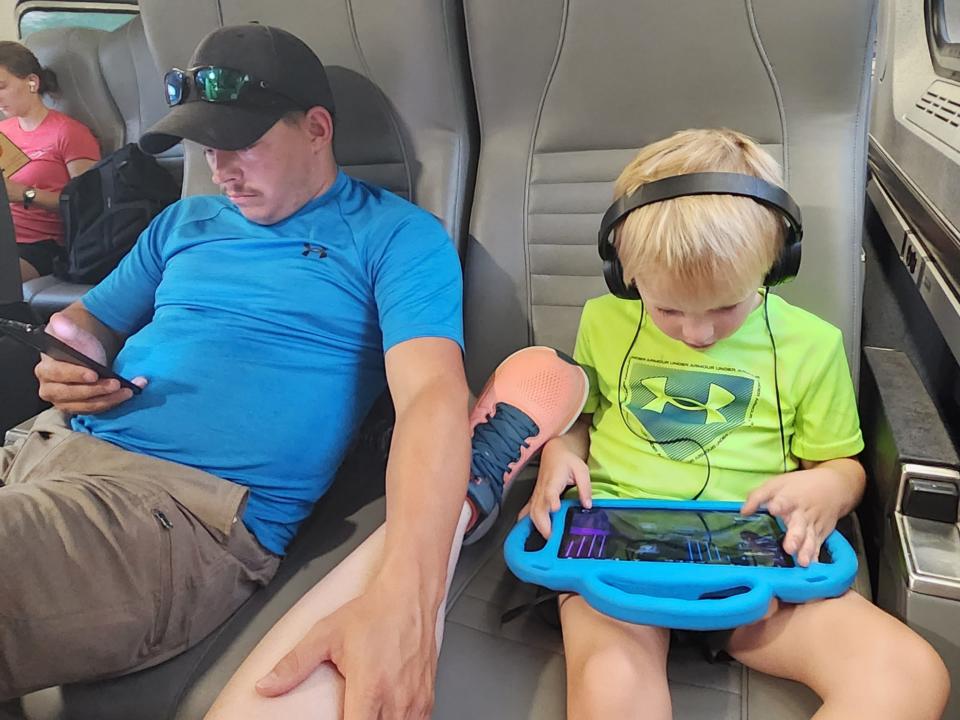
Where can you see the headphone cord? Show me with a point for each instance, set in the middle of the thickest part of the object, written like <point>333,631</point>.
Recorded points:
<point>776,380</point>
<point>626,424</point>
<point>706,456</point>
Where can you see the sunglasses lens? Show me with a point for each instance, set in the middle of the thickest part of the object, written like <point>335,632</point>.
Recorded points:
<point>218,84</point>
<point>173,83</point>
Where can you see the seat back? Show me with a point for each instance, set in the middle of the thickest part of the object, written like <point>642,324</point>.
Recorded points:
<point>110,82</point>
<point>73,54</point>
<point>568,91</point>
<point>136,85</point>
<point>10,288</point>
<point>403,116</point>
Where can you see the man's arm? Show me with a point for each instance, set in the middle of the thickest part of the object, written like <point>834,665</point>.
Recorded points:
<point>428,466</point>
<point>384,641</point>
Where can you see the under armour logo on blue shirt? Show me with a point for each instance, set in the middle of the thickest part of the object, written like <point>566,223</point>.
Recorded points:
<point>318,250</point>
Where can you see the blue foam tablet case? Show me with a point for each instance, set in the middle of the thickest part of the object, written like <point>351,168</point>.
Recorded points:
<point>680,595</point>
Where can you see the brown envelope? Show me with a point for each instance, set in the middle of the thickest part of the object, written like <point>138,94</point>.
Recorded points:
<point>12,158</point>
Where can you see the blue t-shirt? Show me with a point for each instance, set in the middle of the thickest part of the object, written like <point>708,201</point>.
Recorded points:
<point>264,345</point>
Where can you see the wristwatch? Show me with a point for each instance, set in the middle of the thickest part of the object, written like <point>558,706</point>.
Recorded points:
<point>29,195</point>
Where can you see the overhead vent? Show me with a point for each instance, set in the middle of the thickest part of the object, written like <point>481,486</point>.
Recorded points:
<point>938,112</point>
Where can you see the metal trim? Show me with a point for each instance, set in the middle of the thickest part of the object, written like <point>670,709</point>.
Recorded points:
<point>918,581</point>
<point>894,223</point>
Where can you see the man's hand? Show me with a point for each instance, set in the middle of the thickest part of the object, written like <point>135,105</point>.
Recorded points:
<point>74,388</point>
<point>559,469</point>
<point>385,648</point>
<point>809,502</point>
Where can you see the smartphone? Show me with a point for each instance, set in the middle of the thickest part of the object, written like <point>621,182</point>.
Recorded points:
<point>36,337</point>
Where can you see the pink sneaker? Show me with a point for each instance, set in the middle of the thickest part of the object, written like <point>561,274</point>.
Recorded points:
<point>534,395</point>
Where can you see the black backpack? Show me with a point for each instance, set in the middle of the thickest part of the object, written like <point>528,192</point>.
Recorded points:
<point>105,209</point>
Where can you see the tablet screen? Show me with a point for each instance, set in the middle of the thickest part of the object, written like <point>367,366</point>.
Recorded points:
<point>708,537</point>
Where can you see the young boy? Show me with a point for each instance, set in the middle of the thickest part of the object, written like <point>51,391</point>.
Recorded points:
<point>688,371</point>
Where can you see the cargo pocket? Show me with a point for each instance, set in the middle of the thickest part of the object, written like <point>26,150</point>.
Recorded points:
<point>165,595</point>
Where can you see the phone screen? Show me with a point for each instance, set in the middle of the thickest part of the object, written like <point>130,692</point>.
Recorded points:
<point>708,537</point>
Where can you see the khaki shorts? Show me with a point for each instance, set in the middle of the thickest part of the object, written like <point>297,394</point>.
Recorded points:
<point>112,561</point>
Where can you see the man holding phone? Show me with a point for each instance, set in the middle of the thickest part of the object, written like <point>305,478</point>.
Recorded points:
<point>261,325</point>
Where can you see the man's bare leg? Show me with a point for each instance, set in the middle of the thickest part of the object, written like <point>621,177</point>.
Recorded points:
<point>320,697</point>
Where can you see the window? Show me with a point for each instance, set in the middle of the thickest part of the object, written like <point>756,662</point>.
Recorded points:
<point>943,36</point>
<point>34,16</point>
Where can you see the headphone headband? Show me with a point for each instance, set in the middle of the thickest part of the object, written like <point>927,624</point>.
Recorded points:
<point>705,183</point>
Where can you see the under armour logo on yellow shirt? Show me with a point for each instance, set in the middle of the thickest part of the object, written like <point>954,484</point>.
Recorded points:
<point>717,399</point>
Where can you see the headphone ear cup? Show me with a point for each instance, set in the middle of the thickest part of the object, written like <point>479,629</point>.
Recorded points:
<point>613,274</point>
<point>787,265</point>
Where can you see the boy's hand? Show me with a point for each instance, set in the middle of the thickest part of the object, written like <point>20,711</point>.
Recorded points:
<point>559,469</point>
<point>809,502</point>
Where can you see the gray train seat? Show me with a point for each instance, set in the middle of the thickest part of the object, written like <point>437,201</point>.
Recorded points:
<point>404,121</point>
<point>110,82</point>
<point>566,93</point>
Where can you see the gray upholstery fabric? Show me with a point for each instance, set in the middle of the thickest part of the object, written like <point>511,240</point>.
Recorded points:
<point>73,54</point>
<point>566,93</point>
<point>10,286</point>
<point>136,85</point>
<point>110,82</point>
<point>398,79</point>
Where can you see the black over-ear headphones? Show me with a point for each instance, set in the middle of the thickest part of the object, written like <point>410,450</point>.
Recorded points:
<point>776,198</point>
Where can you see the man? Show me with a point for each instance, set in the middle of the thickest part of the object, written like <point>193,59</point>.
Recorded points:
<point>261,326</point>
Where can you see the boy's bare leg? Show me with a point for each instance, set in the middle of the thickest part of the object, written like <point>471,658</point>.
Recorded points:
<point>861,661</point>
<point>614,669</point>
<point>320,697</point>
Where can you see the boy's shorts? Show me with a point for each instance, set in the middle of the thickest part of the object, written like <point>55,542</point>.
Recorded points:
<point>712,643</point>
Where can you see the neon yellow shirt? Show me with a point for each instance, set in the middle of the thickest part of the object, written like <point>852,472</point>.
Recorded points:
<point>658,411</point>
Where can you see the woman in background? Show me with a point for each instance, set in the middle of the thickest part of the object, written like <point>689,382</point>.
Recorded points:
<point>58,146</point>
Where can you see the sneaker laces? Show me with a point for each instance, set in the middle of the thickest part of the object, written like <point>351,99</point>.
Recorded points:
<point>498,443</point>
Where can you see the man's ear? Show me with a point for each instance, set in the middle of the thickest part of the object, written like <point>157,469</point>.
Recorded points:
<point>319,124</point>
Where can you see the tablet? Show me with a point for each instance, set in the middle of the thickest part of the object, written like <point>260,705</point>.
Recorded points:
<point>36,337</point>
<point>704,537</point>
<point>690,565</point>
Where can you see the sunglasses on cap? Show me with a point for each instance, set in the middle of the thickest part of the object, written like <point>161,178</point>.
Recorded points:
<point>218,85</point>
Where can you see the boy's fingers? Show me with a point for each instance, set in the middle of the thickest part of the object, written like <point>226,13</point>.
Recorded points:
<point>809,550</point>
<point>581,476</point>
<point>757,498</point>
<point>541,519</point>
<point>796,534</point>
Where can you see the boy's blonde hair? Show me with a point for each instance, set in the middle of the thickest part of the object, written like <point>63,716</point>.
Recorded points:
<point>709,243</point>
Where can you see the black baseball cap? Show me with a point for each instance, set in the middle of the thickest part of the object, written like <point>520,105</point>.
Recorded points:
<point>292,73</point>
